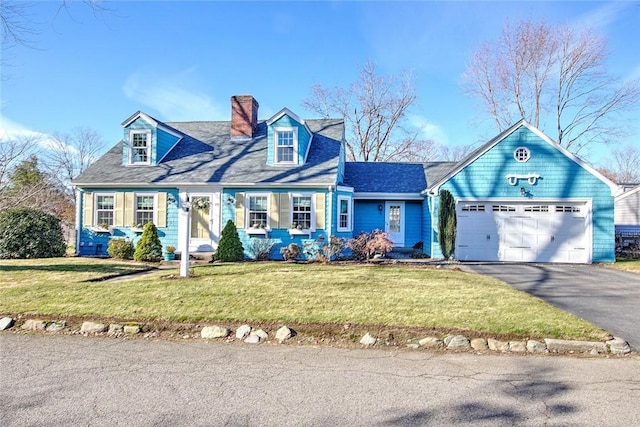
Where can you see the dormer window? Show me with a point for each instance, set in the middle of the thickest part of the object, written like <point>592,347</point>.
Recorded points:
<point>286,141</point>
<point>140,151</point>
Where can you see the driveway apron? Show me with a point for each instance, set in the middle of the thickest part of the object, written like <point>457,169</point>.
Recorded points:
<point>607,298</point>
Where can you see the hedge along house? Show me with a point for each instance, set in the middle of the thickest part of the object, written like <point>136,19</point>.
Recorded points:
<point>521,197</point>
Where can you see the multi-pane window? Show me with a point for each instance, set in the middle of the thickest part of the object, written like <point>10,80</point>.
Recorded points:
<point>301,212</point>
<point>104,209</point>
<point>473,208</point>
<point>140,147</point>
<point>503,208</point>
<point>522,154</point>
<point>285,146</point>
<point>344,214</point>
<point>538,208</point>
<point>144,209</point>
<point>258,211</point>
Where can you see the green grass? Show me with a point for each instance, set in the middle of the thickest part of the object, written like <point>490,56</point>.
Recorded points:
<point>632,265</point>
<point>278,292</point>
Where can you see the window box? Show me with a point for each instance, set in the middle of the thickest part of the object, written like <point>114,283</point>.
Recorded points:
<point>257,231</point>
<point>100,230</point>
<point>137,230</point>
<point>299,232</point>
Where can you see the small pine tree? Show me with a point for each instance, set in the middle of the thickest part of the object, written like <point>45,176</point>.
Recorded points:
<point>230,247</point>
<point>30,233</point>
<point>149,247</point>
<point>447,224</point>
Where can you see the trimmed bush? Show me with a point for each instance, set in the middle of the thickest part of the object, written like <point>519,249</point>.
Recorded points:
<point>230,247</point>
<point>30,233</point>
<point>120,248</point>
<point>149,247</point>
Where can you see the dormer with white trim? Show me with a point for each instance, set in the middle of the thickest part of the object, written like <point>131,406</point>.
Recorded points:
<point>146,140</point>
<point>289,139</point>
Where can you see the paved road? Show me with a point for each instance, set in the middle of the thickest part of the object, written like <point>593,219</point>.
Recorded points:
<point>88,381</point>
<point>607,298</point>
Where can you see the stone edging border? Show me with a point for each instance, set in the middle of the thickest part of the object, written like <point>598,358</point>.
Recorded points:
<point>247,334</point>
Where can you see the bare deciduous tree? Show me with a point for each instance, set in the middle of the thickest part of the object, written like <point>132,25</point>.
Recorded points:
<point>20,29</point>
<point>624,165</point>
<point>375,109</point>
<point>69,154</point>
<point>555,73</point>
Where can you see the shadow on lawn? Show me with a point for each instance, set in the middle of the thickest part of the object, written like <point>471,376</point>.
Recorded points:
<point>107,270</point>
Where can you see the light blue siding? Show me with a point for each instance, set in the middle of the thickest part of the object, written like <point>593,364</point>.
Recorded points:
<point>281,236</point>
<point>304,139</point>
<point>560,178</point>
<point>139,124</point>
<point>367,216</point>
<point>166,141</point>
<point>412,223</point>
<point>91,243</point>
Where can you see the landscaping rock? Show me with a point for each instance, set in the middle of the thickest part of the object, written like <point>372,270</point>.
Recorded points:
<point>368,340</point>
<point>479,344</point>
<point>567,346</point>
<point>262,334</point>
<point>413,345</point>
<point>34,325</point>
<point>618,346</point>
<point>132,329</point>
<point>256,336</point>
<point>283,334</point>
<point>496,345</point>
<point>56,326</point>
<point>115,328</point>
<point>243,331</point>
<point>431,342</point>
<point>536,346</point>
<point>93,328</point>
<point>517,346</point>
<point>6,323</point>
<point>210,332</point>
<point>457,342</point>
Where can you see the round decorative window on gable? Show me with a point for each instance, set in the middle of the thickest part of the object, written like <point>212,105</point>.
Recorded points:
<point>522,154</point>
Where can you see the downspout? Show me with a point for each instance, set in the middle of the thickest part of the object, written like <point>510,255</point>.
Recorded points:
<point>329,223</point>
<point>78,224</point>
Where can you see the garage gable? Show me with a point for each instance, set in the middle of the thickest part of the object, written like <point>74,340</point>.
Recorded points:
<point>524,170</point>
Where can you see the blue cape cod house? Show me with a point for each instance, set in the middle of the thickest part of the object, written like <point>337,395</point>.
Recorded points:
<point>520,197</point>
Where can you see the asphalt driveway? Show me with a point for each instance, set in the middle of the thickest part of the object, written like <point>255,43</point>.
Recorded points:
<point>607,298</point>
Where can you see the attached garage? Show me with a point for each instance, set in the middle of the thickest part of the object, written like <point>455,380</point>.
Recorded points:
<point>521,197</point>
<point>516,231</point>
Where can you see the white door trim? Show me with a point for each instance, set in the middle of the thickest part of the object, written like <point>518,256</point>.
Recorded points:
<point>397,237</point>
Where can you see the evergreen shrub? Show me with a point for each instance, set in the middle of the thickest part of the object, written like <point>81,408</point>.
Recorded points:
<point>30,233</point>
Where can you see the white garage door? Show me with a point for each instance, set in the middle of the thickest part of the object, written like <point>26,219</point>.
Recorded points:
<point>523,232</point>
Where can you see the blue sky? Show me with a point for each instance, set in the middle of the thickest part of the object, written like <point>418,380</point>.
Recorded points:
<point>184,60</point>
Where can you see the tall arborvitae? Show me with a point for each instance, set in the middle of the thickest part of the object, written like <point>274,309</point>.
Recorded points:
<point>447,223</point>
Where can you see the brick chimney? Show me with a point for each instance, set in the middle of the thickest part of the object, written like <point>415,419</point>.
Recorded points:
<point>244,116</point>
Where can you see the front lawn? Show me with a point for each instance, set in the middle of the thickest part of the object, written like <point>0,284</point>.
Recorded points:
<point>279,292</point>
<point>632,265</point>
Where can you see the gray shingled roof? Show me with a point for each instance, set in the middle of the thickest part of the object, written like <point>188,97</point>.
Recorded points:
<point>387,177</point>
<point>208,155</point>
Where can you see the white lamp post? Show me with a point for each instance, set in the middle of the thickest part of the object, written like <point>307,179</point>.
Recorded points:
<point>184,257</point>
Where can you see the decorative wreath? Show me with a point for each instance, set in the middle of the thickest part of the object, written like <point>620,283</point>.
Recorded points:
<point>200,203</point>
